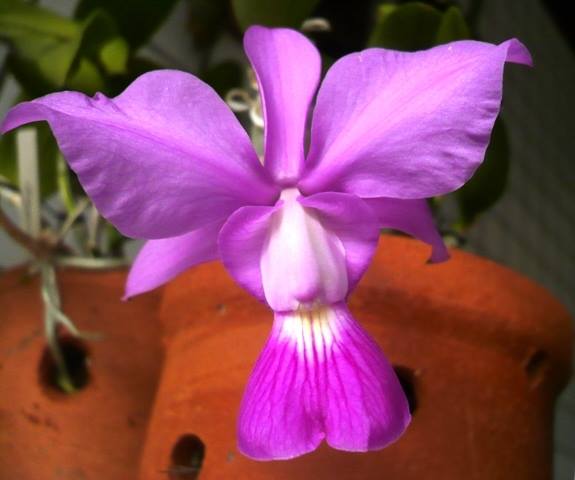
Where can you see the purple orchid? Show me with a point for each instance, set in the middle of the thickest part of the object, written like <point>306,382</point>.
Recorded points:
<point>167,161</point>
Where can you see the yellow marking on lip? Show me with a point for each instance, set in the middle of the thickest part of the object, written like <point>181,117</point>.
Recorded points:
<point>311,329</point>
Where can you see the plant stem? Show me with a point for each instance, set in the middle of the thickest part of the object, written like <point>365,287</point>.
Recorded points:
<point>64,187</point>
<point>37,248</point>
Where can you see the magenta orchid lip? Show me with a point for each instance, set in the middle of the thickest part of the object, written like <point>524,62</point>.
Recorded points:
<point>167,161</point>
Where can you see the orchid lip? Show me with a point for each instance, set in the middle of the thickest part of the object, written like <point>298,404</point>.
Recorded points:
<point>320,377</point>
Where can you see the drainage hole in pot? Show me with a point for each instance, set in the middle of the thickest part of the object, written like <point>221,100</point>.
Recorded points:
<point>187,458</point>
<point>406,378</point>
<point>74,375</point>
<point>535,366</point>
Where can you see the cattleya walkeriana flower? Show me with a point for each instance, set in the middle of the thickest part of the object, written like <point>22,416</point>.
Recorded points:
<point>167,161</point>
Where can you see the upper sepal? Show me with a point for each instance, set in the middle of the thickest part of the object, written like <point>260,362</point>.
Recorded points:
<point>287,66</point>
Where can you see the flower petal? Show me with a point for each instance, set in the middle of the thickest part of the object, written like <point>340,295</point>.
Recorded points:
<point>320,376</point>
<point>307,250</point>
<point>161,260</point>
<point>284,255</point>
<point>406,125</point>
<point>241,242</point>
<point>302,261</point>
<point>287,66</point>
<point>354,224</point>
<point>413,217</point>
<point>163,158</point>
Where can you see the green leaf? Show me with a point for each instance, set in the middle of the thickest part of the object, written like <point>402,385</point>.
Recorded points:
<point>206,21</point>
<point>49,52</point>
<point>408,27</point>
<point>287,13</point>
<point>102,43</point>
<point>224,76</point>
<point>114,56</point>
<point>417,26</point>
<point>137,20</point>
<point>47,159</point>
<point>453,27</point>
<point>43,45</point>
<point>488,184</point>
<point>86,77</point>
<point>102,54</point>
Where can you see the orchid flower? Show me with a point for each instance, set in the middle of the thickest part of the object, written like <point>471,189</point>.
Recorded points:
<point>167,161</point>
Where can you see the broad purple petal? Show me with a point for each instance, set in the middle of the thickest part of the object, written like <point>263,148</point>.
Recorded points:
<point>413,217</point>
<point>406,125</point>
<point>161,260</point>
<point>320,376</point>
<point>241,242</point>
<point>163,158</point>
<point>355,225</point>
<point>287,66</point>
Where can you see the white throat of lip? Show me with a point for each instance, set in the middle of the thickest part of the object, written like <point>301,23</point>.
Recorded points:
<point>312,330</point>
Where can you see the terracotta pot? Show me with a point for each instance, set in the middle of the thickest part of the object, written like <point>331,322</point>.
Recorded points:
<point>482,353</point>
<point>97,432</point>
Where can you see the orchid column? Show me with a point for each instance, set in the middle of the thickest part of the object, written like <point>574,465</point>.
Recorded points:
<point>168,162</point>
